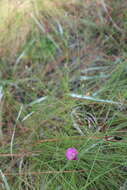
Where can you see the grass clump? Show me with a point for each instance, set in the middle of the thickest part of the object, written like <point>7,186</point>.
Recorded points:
<point>63,84</point>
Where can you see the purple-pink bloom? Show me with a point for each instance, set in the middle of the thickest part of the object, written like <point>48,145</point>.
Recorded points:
<point>72,154</point>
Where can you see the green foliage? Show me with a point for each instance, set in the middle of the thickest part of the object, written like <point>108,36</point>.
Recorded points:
<point>42,49</point>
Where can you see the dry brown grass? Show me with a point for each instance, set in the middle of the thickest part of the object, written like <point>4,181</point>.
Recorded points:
<point>17,23</point>
<point>15,26</point>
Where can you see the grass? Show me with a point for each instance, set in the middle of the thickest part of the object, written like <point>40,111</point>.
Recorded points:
<point>63,84</point>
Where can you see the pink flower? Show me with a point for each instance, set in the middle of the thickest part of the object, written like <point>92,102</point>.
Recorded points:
<point>72,154</point>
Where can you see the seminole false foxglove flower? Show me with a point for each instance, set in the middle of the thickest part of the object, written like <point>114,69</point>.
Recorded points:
<point>72,154</point>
